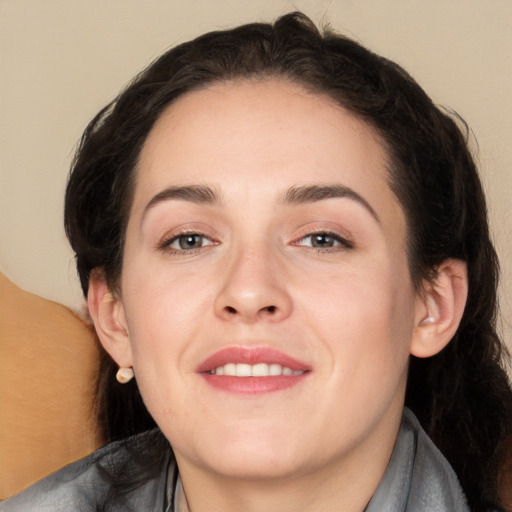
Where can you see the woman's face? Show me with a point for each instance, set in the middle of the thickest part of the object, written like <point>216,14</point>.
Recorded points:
<point>264,240</point>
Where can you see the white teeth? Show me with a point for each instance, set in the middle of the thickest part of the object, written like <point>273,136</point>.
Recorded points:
<point>255,370</point>
<point>243,370</point>
<point>229,369</point>
<point>275,369</point>
<point>260,370</point>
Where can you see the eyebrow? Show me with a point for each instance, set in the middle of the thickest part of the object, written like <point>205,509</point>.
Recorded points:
<point>198,194</point>
<point>313,193</point>
<point>201,194</point>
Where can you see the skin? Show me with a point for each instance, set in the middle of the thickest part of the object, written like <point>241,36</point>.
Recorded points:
<point>349,311</point>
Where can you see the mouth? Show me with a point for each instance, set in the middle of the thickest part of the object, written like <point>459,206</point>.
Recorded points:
<point>254,370</point>
<point>244,370</point>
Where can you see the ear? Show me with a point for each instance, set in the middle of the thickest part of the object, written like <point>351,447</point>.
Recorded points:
<point>107,312</point>
<point>439,309</point>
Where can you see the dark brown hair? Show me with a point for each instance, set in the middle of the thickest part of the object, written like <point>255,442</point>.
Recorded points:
<point>461,396</point>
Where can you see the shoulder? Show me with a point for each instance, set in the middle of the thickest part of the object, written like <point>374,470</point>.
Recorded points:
<point>434,484</point>
<point>418,477</point>
<point>108,475</point>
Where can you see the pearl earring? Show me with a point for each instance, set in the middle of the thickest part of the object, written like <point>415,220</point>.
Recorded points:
<point>428,320</point>
<point>124,375</point>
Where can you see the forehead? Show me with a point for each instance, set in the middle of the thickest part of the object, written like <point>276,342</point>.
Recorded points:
<point>239,136</point>
<point>261,111</point>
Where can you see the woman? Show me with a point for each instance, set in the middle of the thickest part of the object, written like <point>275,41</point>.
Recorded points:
<point>285,242</point>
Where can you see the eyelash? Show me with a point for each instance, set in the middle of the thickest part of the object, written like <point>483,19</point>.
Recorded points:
<point>342,242</point>
<point>166,244</point>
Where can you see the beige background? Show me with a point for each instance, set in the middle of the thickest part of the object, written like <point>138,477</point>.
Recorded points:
<point>62,60</point>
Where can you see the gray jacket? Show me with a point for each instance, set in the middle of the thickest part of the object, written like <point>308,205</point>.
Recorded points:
<point>140,474</point>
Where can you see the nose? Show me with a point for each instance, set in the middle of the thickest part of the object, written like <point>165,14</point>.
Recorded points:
<point>253,289</point>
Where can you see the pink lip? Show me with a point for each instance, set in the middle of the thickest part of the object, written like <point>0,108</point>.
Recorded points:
<point>252,355</point>
<point>251,385</point>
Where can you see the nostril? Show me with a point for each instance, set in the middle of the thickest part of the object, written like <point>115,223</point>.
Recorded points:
<point>232,311</point>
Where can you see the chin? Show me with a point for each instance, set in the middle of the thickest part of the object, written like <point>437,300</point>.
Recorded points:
<point>260,456</point>
<point>249,466</point>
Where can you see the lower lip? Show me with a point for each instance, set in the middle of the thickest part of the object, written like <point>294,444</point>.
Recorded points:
<point>253,385</point>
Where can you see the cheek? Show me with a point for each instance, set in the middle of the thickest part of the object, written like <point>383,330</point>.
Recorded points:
<point>155,292</point>
<point>162,322</point>
<point>163,311</point>
<point>365,319</point>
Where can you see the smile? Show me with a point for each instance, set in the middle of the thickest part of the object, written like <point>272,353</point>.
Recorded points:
<point>252,370</point>
<point>255,370</point>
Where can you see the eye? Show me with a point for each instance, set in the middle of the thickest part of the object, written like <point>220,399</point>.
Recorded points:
<point>324,240</point>
<point>187,242</point>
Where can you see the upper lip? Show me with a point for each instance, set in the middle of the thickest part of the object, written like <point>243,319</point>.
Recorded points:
<point>250,355</point>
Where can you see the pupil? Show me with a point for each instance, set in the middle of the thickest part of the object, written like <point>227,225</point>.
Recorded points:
<point>322,241</point>
<point>191,241</point>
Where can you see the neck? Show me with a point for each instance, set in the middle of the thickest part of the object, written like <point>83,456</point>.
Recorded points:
<point>345,485</point>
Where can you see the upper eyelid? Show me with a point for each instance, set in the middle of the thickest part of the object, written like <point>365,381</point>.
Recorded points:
<point>322,230</point>
<point>343,239</point>
<point>172,234</point>
<point>167,241</point>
